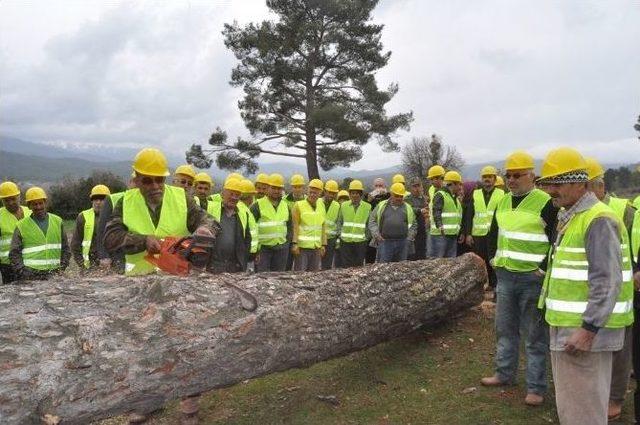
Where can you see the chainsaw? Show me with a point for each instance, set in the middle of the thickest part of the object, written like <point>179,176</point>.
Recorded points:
<point>179,255</point>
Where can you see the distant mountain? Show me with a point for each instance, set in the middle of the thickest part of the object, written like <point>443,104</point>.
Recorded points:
<point>27,161</point>
<point>40,169</point>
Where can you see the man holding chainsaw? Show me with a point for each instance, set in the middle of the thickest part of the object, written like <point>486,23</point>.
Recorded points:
<point>151,211</point>
<point>146,214</point>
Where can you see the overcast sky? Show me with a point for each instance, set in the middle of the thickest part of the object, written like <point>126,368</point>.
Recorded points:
<point>488,76</point>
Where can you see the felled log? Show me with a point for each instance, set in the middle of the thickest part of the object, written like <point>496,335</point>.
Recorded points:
<point>80,350</point>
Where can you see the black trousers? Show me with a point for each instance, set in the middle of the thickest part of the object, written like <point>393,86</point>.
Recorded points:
<point>481,248</point>
<point>353,254</point>
<point>8,275</point>
<point>636,355</point>
<point>327,260</point>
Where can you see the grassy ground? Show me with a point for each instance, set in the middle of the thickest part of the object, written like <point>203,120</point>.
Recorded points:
<point>427,377</point>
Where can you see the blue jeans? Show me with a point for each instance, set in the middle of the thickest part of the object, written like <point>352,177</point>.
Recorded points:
<point>517,315</point>
<point>443,246</point>
<point>393,250</point>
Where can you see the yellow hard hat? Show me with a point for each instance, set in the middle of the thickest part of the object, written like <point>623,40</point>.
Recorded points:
<point>343,194</point>
<point>594,169</point>
<point>356,185</point>
<point>100,190</point>
<point>488,170</point>
<point>296,180</point>
<point>397,189</point>
<point>519,160</point>
<point>9,189</point>
<point>151,162</point>
<point>34,193</point>
<point>316,184</point>
<point>262,178</point>
<point>276,180</point>
<point>247,187</point>
<point>203,178</point>
<point>435,171</point>
<point>233,184</point>
<point>453,176</point>
<point>331,186</point>
<point>237,176</point>
<point>560,161</point>
<point>499,181</point>
<point>186,170</point>
<point>398,178</point>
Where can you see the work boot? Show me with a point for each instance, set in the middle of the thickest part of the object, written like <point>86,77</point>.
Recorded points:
<point>137,418</point>
<point>492,381</point>
<point>189,406</point>
<point>615,411</point>
<point>533,399</point>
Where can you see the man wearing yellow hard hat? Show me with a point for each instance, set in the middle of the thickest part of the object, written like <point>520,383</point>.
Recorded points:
<point>84,247</point>
<point>352,227</point>
<point>246,200</point>
<point>332,209</point>
<point>297,184</point>
<point>343,196</point>
<point>202,186</point>
<point>233,241</point>
<point>183,177</point>
<point>631,220</point>
<point>588,293</point>
<point>274,227</point>
<point>10,213</point>
<point>309,233</point>
<point>151,211</point>
<point>392,225</point>
<point>262,185</point>
<point>446,217</point>
<point>478,216</point>
<point>523,227</point>
<point>39,245</point>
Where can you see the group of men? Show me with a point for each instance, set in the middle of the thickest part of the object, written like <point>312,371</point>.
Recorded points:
<point>560,251</point>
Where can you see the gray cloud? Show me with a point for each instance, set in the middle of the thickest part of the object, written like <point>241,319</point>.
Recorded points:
<point>488,76</point>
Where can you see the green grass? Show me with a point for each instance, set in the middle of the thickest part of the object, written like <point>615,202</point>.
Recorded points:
<point>417,379</point>
<point>69,226</point>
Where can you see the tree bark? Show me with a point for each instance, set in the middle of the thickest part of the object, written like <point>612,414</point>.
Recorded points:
<point>80,350</point>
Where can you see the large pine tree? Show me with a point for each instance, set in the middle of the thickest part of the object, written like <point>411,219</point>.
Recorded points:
<point>309,87</point>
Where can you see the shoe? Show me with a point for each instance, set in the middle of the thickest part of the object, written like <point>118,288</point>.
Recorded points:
<point>614,412</point>
<point>533,399</point>
<point>189,406</point>
<point>137,418</point>
<point>492,381</point>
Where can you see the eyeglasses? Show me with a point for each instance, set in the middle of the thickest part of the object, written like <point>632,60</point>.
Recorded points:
<point>147,181</point>
<point>514,176</point>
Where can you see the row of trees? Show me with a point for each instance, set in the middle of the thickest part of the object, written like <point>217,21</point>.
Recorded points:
<point>621,178</point>
<point>71,196</point>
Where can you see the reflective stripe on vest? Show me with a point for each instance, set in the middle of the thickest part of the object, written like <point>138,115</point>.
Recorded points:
<point>8,224</point>
<point>354,221</point>
<point>522,241</point>
<point>635,235</point>
<point>451,215</point>
<point>411,217</point>
<point>40,251</point>
<point>483,214</point>
<point>310,226</point>
<point>618,205</point>
<point>566,288</point>
<point>172,222</point>
<point>89,223</point>
<point>272,225</point>
<point>432,192</point>
<point>331,216</point>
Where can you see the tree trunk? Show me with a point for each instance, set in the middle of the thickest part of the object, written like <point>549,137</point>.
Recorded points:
<point>79,350</point>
